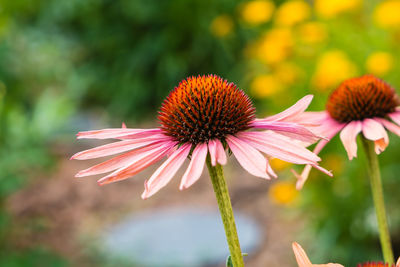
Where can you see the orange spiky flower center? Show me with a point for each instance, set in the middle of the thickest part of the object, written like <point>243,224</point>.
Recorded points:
<point>203,108</point>
<point>375,264</point>
<point>361,98</point>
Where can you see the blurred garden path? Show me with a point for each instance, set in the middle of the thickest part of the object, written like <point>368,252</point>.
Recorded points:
<point>63,212</point>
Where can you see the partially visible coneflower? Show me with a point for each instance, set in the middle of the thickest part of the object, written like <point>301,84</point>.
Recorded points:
<point>364,105</point>
<point>303,260</point>
<point>200,119</point>
<point>379,264</point>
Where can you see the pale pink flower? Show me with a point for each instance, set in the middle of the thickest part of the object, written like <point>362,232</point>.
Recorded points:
<point>365,104</point>
<point>304,261</point>
<point>203,116</point>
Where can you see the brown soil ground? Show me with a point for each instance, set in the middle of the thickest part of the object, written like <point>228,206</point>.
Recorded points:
<point>62,211</point>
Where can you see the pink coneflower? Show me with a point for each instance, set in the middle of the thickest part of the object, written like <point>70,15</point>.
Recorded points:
<point>304,261</point>
<point>203,115</point>
<point>379,264</point>
<point>364,104</point>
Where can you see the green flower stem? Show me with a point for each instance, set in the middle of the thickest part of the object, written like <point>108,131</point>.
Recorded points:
<point>225,208</point>
<point>379,203</point>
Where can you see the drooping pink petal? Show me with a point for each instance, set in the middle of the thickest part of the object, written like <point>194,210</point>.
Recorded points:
<point>303,260</point>
<point>129,158</point>
<point>212,147</point>
<point>329,132</point>
<point>289,129</point>
<point>270,171</point>
<point>293,111</point>
<point>312,118</point>
<point>329,127</point>
<point>279,147</point>
<point>140,164</point>
<point>249,157</point>
<point>374,131</point>
<point>117,133</point>
<point>220,152</point>
<point>196,166</point>
<point>390,126</point>
<point>398,262</point>
<point>302,178</point>
<point>301,256</point>
<point>395,116</point>
<point>349,138</point>
<point>166,171</point>
<point>118,147</point>
<point>217,152</point>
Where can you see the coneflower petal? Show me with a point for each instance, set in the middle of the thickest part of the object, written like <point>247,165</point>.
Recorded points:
<point>221,155</point>
<point>195,167</point>
<point>390,126</point>
<point>130,170</point>
<point>395,116</point>
<point>374,131</point>
<point>249,157</point>
<point>212,148</point>
<point>118,147</point>
<point>117,133</point>
<point>289,129</point>
<point>301,256</point>
<point>348,136</point>
<point>127,159</point>
<point>329,132</point>
<point>166,171</point>
<point>279,147</point>
<point>293,111</point>
<point>217,152</point>
<point>303,260</point>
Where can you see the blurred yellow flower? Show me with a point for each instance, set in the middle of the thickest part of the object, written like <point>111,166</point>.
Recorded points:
<point>283,193</point>
<point>332,68</point>
<point>257,12</point>
<point>312,32</point>
<point>331,8</point>
<point>334,162</point>
<point>287,72</point>
<point>379,63</point>
<point>265,85</point>
<point>278,164</point>
<point>292,12</point>
<point>221,26</point>
<point>387,13</point>
<point>275,46</point>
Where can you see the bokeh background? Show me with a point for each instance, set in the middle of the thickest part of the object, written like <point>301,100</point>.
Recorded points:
<point>76,65</point>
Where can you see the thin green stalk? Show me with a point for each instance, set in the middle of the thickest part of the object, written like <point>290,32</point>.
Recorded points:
<point>225,208</point>
<point>379,203</point>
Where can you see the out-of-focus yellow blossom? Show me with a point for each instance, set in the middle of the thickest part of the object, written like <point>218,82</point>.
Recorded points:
<point>379,63</point>
<point>265,85</point>
<point>292,12</point>
<point>221,26</point>
<point>312,32</point>
<point>257,12</point>
<point>331,8</point>
<point>332,68</point>
<point>287,72</point>
<point>275,46</point>
<point>334,162</point>
<point>278,164</point>
<point>283,193</point>
<point>386,14</point>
